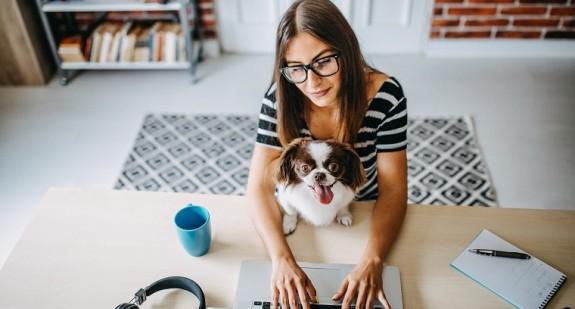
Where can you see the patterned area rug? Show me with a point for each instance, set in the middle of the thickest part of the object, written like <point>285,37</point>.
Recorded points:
<point>211,154</point>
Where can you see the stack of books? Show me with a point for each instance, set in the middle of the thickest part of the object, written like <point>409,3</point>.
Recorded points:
<point>112,42</point>
<point>70,49</point>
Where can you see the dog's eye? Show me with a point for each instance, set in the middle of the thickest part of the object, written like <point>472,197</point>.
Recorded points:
<point>304,168</point>
<point>333,167</point>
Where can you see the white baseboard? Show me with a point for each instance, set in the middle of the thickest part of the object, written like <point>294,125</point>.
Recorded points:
<point>500,48</point>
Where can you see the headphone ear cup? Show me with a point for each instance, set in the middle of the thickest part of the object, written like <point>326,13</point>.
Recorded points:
<point>127,306</point>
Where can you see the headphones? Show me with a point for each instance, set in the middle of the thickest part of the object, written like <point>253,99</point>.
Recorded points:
<point>165,284</point>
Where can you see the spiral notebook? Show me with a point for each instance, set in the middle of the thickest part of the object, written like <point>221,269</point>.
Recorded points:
<point>523,283</point>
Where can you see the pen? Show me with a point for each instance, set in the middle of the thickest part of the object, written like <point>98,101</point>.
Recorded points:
<point>513,255</point>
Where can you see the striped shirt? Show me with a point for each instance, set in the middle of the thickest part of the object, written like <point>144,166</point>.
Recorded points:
<point>384,129</point>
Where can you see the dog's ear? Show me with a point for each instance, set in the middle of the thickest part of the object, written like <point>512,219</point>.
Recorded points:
<point>354,171</point>
<point>286,169</point>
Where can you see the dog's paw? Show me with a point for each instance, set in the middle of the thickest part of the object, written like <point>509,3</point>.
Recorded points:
<point>289,224</point>
<point>344,219</point>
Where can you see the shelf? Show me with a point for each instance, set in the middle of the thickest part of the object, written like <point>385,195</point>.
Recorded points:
<point>68,70</point>
<point>107,5</point>
<point>124,66</point>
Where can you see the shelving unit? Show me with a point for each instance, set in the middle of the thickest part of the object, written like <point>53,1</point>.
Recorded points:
<point>108,6</point>
<point>67,70</point>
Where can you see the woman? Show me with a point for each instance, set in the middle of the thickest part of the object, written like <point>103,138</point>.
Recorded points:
<point>322,88</point>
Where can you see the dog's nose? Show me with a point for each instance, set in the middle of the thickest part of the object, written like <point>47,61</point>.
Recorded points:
<point>319,177</point>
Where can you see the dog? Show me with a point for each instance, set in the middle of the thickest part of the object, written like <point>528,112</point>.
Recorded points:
<point>317,180</point>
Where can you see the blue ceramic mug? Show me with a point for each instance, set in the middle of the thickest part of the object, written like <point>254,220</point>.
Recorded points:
<point>194,231</point>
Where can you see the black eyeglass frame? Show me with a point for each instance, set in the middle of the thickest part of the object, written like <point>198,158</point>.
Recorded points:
<point>308,67</point>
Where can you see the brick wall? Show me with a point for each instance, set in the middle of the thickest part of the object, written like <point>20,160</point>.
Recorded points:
<point>206,9</point>
<point>503,19</point>
<point>208,18</point>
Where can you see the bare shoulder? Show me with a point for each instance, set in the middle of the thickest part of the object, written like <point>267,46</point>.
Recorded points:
<point>374,82</point>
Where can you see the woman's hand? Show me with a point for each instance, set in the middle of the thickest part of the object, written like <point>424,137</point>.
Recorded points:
<point>365,281</point>
<point>290,285</point>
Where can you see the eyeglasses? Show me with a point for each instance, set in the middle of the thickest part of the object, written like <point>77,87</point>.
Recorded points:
<point>324,67</point>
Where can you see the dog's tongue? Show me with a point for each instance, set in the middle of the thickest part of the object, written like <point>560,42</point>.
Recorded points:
<point>323,193</point>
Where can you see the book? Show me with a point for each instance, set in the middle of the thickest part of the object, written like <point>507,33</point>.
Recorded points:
<point>525,283</point>
<point>87,48</point>
<point>123,41</point>
<point>155,41</point>
<point>113,54</point>
<point>70,49</point>
<point>107,37</point>
<point>130,44</point>
<point>182,48</point>
<point>97,43</point>
<point>108,41</point>
<point>170,44</point>
<point>142,46</point>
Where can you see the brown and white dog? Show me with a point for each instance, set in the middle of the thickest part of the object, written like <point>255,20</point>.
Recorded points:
<point>317,180</point>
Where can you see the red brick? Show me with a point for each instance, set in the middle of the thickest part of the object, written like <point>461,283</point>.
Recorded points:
<point>468,34</point>
<point>115,15</point>
<point>523,10</point>
<point>448,1</point>
<point>560,35</point>
<point>437,11</point>
<point>486,22</point>
<point>440,22</point>
<point>206,11</point>
<point>208,23</point>
<point>491,1</point>
<point>85,18</point>
<point>134,14</point>
<point>209,34</point>
<point>563,11</point>
<point>569,23</point>
<point>472,11</point>
<point>85,15</point>
<point>518,34</point>
<point>543,1</point>
<point>536,22</point>
<point>434,35</point>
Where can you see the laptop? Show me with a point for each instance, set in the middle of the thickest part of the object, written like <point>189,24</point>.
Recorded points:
<point>253,289</point>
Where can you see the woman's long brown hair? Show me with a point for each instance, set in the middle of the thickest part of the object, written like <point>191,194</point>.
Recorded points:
<point>323,20</point>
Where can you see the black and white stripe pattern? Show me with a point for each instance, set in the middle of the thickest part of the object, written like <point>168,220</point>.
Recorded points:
<point>384,129</point>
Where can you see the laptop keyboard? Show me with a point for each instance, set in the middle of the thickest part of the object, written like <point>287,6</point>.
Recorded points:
<point>268,305</point>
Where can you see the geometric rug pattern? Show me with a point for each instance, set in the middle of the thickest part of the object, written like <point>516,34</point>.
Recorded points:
<point>445,164</point>
<point>210,153</point>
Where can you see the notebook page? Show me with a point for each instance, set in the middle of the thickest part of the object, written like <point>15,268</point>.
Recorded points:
<point>524,283</point>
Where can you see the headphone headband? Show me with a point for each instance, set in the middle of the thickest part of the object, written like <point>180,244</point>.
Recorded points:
<point>165,284</point>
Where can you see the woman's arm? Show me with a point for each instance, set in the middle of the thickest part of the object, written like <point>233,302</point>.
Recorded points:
<point>263,208</point>
<point>365,281</point>
<point>289,284</point>
<point>390,205</point>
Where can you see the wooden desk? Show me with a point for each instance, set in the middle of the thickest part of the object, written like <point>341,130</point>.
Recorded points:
<point>94,249</point>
